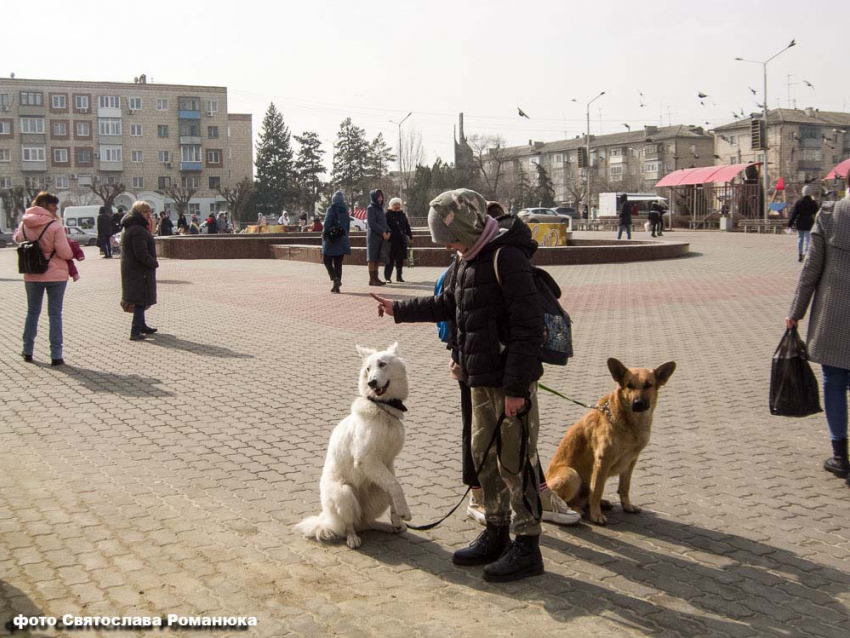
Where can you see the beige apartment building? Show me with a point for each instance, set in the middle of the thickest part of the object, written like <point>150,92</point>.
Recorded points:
<point>804,144</point>
<point>63,136</point>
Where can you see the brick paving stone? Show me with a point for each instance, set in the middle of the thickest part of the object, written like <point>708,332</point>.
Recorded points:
<point>165,476</point>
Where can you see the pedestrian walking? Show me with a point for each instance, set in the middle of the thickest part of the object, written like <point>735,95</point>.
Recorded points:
<point>625,217</point>
<point>138,268</point>
<point>655,217</point>
<point>376,221</point>
<point>212,224</point>
<point>824,283</point>
<point>401,237</point>
<point>335,241</point>
<point>105,231</point>
<point>803,216</point>
<point>40,223</point>
<point>499,335</point>
<point>165,227</point>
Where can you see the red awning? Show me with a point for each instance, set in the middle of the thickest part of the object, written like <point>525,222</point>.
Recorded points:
<point>703,175</point>
<point>840,171</point>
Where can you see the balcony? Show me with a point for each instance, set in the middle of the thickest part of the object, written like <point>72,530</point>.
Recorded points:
<point>190,166</point>
<point>109,112</point>
<point>654,155</point>
<point>809,165</point>
<point>111,166</point>
<point>190,140</point>
<point>189,115</point>
<point>34,167</point>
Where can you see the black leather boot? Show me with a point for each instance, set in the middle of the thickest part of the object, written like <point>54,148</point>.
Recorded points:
<point>838,464</point>
<point>521,559</point>
<point>486,548</point>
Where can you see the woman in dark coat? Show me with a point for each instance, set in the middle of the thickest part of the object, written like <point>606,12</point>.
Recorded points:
<point>138,268</point>
<point>182,223</point>
<point>376,235</point>
<point>400,237</point>
<point>804,218</point>
<point>335,250</point>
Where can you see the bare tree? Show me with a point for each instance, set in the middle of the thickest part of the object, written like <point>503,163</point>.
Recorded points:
<point>238,197</point>
<point>106,192</point>
<point>490,158</point>
<point>78,198</point>
<point>411,154</point>
<point>15,200</point>
<point>180,195</point>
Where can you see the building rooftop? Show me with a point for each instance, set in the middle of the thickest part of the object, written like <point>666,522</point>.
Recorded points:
<point>4,82</point>
<point>793,116</point>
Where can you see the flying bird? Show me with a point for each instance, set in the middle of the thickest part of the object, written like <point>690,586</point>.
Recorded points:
<point>701,97</point>
<point>793,43</point>
<point>641,99</point>
<point>735,115</point>
<point>717,157</point>
<point>809,84</point>
<point>628,127</point>
<point>522,113</point>
<point>752,90</point>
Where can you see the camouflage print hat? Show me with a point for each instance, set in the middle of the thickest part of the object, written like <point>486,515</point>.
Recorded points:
<point>457,216</point>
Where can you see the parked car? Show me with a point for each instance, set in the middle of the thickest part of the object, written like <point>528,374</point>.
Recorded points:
<point>357,225</point>
<point>81,237</point>
<point>567,211</point>
<point>6,240</point>
<point>540,216</point>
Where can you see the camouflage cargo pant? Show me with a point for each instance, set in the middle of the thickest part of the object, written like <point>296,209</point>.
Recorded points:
<point>501,479</point>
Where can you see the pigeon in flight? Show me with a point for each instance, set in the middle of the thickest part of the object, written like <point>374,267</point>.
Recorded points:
<point>628,127</point>
<point>522,113</point>
<point>809,84</point>
<point>735,115</point>
<point>752,90</point>
<point>701,97</point>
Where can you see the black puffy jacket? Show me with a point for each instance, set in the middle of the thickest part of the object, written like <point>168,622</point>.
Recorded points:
<point>499,327</point>
<point>138,262</point>
<point>804,214</point>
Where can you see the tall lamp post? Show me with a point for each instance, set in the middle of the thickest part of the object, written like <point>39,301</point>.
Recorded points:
<point>764,170</point>
<point>587,148</point>
<point>400,169</point>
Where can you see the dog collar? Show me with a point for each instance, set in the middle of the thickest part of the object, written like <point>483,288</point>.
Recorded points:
<point>606,410</point>
<point>393,403</point>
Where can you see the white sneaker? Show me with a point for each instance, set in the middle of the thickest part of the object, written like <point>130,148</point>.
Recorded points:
<point>557,511</point>
<point>475,510</point>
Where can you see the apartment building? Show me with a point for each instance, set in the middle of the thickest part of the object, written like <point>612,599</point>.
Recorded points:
<point>804,144</point>
<point>64,136</point>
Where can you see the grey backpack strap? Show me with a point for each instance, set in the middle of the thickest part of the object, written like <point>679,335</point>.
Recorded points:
<point>496,265</point>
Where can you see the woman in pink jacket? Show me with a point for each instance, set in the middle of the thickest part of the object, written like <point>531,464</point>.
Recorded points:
<point>54,244</point>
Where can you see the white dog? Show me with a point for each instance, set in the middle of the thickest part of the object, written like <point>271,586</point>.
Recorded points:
<point>358,480</point>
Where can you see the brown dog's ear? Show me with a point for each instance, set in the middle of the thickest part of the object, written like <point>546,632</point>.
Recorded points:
<point>618,370</point>
<point>664,372</point>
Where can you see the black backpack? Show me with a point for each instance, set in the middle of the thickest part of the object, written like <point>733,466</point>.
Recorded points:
<point>31,259</point>
<point>557,346</point>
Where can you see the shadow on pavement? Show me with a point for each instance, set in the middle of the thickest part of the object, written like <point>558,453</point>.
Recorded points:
<point>203,349</point>
<point>13,602</point>
<point>125,385</point>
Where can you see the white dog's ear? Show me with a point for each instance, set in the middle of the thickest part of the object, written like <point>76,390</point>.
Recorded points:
<point>365,352</point>
<point>393,349</point>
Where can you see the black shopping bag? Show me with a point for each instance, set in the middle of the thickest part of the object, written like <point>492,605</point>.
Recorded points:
<point>793,387</point>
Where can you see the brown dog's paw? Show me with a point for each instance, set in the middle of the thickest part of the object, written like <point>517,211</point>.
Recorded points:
<point>606,505</point>
<point>631,509</point>
<point>598,518</point>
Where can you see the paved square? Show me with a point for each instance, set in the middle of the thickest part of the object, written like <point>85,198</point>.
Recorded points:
<point>165,476</point>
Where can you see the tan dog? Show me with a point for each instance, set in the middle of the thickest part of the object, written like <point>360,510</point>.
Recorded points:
<point>607,442</point>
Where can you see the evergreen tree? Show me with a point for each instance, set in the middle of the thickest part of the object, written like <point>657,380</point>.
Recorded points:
<point>275,185</point>
<point>350,162</point>
<point>379,158</point>
<point>545,189</point>
<point>309,169</point>
<point>522,191</point>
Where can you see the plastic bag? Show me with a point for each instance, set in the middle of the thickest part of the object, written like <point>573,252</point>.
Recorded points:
<point>793,387</point>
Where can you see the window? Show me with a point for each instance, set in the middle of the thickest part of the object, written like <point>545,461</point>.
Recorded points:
<point>59,129</point>
<point>81,103</point>
<point>4,100</point>
<point>109,102</point>
<point>215,183</point>
<point>5,127</point>
<point>163,182</point>
<point>212,107</point>
<point>189,103</point>
<point>109,180</point>
<point>733,139</point>
<point>162,130</point>
<point>109,126</point>
<point>135,103</point>
<point>136,156</point>
<point>792,135</point>
<point>83,158</point>
<point>5,155</point>
<point>615,152</point>
<point>60,155</point>
<point>162,104</point>
<point>652,167</point>
<point>5,182</point>
<point>190,129</point>
<point>110,154</point>
<point>34,183</point>
<point>83,129</point>
<point>138,182</point>
<point>32,125</point>
<point>59,101</point>
<point>732,159</point>
<point>811,155</point>
<point>61,181</point>
<point>190,181</point>
<point>194,209</point>
<point>617,171</point>
<point>164,156</point>
<point>212,132</point>
<point>84,180</point>
<point>31,98</point>
<point>32,154</point>
<point>190,153</point>
<point>135,130</point>
<point>213,157</point>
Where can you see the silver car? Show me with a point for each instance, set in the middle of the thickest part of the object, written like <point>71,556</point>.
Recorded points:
<point>80,236</point>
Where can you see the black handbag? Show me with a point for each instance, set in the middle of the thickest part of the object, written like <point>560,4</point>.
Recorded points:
<point>793,387</point>
<point>31,259</point>
<point>336,232</point>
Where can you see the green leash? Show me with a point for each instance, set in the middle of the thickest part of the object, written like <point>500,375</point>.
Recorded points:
<point>604,409</point>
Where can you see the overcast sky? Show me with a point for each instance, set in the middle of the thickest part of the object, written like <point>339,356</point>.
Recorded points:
<point>375,60</point>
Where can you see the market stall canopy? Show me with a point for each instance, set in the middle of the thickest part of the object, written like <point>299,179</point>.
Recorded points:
<point>704,175</point>
<point>840,171</point>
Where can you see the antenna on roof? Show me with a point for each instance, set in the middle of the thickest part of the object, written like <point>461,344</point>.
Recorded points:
<point>12,75</point>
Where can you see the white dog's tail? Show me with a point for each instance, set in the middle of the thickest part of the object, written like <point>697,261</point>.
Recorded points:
<point>341,510</point>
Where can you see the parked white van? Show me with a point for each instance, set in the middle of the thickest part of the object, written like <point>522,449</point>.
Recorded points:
<point>82,217</point>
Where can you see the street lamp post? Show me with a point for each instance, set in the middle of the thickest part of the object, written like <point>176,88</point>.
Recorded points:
<point>587,148</point>
<point>400,169</point>
<point>764,170</point>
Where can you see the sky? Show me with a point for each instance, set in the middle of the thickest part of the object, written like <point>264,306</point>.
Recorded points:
<point>321,61</point>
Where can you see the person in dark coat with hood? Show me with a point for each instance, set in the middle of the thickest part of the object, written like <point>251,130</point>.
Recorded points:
<point>625,217</point>
<point>499,331</point>
<point>138,268</point>
<point>165,228</point>
<point>804,217</point>
<point>335,246</point>
<point>104,231</point>
<point>182,223</point>
<point>400,238</point>
<point>376,220</point>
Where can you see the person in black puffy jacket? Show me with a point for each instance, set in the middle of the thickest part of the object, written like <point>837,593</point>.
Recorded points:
<point>499,332</point>
<point>803,217</point>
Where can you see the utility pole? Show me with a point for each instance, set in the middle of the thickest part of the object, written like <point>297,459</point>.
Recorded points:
<point>400,167</point>
<point>587,146</point>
